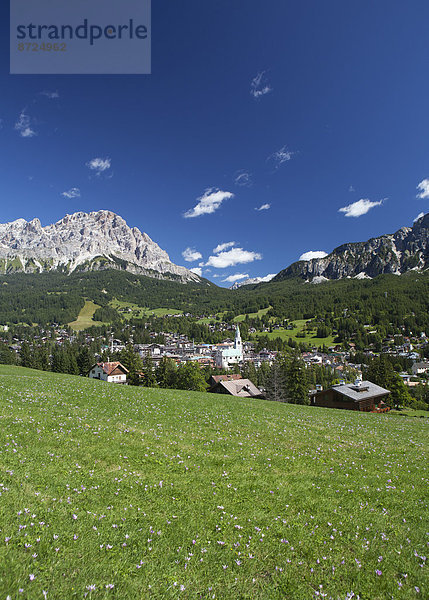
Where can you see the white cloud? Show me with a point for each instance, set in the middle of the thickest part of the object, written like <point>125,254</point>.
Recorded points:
<point>50,95</point>
<point>99,165</point>
<point>197,271</point>
<point>222,247</point>
<point>359,208</point>
<point>264,207</point>
<point>281,156</point>
<point>236,277</point>
<point>243,178</point>
<point>190,254</point>
<point>23,126</point>
<point>208,203</point>
<point>72,193</point>
<point>235,256</point>
<point>313,254</point>
<point>260,86</point>
<point>419,216</point>
<point>423,188</point>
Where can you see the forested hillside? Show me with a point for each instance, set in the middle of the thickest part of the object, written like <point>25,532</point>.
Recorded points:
<point>389,302</point>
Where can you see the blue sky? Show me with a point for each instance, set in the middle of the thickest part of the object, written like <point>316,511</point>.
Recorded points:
<point>299,108</point>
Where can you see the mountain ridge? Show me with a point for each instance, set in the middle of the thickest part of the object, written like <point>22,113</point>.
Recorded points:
<point>102,240</point>
<point>252,281</point>
<point>397,253</point>
<point>84,241</point>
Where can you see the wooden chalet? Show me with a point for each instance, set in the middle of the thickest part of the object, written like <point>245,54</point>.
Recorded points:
<point>214,379</point>
<point>241,388</point>
<point>361,395</point>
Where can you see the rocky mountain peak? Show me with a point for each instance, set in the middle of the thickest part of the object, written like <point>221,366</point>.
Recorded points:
<point>406,249</point>
<point>84,241</point>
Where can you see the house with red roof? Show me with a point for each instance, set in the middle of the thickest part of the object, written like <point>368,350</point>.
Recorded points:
<point>112,372</point>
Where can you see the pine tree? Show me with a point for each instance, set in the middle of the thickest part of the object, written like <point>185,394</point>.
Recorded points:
<point>132,361</point>
<point>297,386</point>
<point>41,358</point>
<point>7,356</point>
<point>85,360</point>
<point>166,373</point>
<point>26,356</point>
<point>249,372</point>
<point>58,364</point>
<point>236,369</point>
<point>191,377</point>
<point>149,379</point>
<point>276,383</point>
<point>380,371</point>
<point>263,373</point>
<point>70,358</point>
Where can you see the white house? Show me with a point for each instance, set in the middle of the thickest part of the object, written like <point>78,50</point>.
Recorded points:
<point>419,368</point>
<point>112,372</point>
<point>227,357</point>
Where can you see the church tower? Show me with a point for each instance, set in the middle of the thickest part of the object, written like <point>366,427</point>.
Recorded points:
<point>238,344</point>
<point>227,357</point>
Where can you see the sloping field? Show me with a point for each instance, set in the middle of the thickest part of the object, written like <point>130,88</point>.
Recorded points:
<point>129,310</point>
<point>84,319</point>
<point>117,492</point>
<point>293,334</point>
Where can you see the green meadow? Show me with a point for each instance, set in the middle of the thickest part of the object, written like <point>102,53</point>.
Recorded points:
<point>84,319</point>
<point>296,334</point>
<point>134,493</point>
<point>128,310</point>
<point>255,315</point>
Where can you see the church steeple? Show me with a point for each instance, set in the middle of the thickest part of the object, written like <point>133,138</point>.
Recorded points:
<point>238,342</point>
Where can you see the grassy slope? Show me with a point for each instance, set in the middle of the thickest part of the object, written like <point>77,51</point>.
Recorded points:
<point>282,333</point>
<point>231,498</point>
<point>138,312</point>
<point>299,325</point>
<point>84,318</point>
<point>409,412</point>
<point>256,315</point>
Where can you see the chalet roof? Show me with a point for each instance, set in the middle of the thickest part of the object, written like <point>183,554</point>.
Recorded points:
<point>364,391</point>
<point>231,377</point>
<point>109,367</point>
<point>243,388</point>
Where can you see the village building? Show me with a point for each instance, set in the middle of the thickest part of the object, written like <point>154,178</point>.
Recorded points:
<point>264,356</point>
<point>419,368</point>
<point>361,395</point>
<point>215,379</point>
<point>408,380</point>
<point>116,345</point>
<point>150,349</point>
<point>203,361</point>
<point>226,357</point>
<point>112,372</point>
<point>241,388</point>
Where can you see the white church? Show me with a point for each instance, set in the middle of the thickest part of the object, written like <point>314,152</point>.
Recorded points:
<point>227,357</point>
